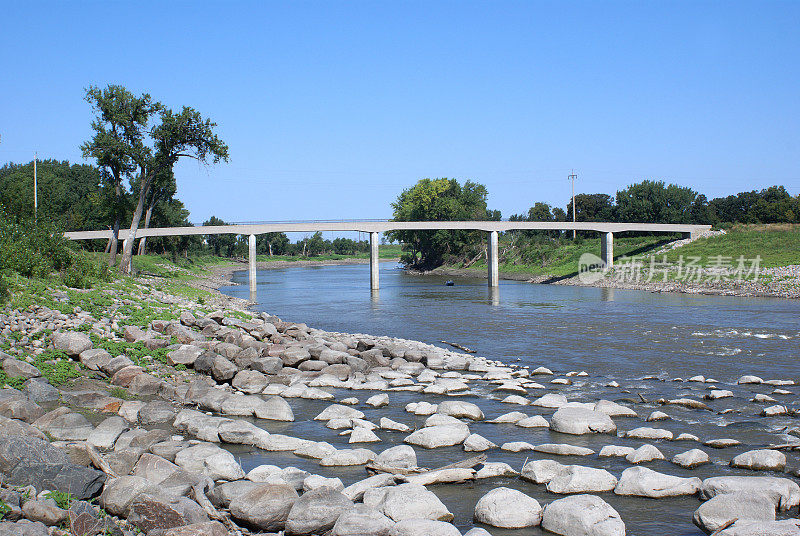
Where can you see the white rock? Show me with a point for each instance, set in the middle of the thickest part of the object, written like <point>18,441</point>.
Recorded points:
<point>645,453</point>
<point>582,515</point>
<point>691,458</point>
<point>438,436</point>
<point>378,401</point>
<point>578,421</point>
<point>477,443</point>
<point>508,508</point>
<point>760,460</point>
<point>644,482</point>
<point>580,479</point>
<point>784,493</point>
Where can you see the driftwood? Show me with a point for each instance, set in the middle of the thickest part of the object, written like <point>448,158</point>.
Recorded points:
<point>99,462</point>
<point>725,526</point>
<point>458,346</point>
<point>785,446</point>
<point>644,400</point>
<point>469,463</point>
<point>199,493</point>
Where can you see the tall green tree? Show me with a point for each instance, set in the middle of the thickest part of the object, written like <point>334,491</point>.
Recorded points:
<point>655,202</point>
<point>119,126</point>
<point>439,200</point>
<point>134,135</point>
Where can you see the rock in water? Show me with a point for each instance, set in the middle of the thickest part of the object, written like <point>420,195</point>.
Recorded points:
<point>578,421</point>
<point>760,460</point>
<point>644,482</point>
<point>582,515</point>
<point>747,506</point>
<point>784,493</point>
<point>423,527</point>
<point>509,509</point>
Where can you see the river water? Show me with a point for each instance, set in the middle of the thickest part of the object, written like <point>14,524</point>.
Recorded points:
<point>619,335</point>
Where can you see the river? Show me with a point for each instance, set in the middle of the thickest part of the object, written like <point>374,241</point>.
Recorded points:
<point>618,335</point>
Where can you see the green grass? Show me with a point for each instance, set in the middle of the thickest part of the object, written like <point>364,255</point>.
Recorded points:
<point>559,258</point>
<point>136,351</point>
<point>57,367</point>
<point>777,245</point>
<point>12,381</point>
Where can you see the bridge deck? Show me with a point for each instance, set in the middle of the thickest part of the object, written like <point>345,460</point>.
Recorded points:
<point>383,226</point>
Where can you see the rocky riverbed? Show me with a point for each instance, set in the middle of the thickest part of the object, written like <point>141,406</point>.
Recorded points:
<point>114,421</point>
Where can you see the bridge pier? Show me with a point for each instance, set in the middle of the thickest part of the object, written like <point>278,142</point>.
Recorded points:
<point>491,260</point>
<point>251,258</point>
<point>374,257</point>
<point>607,249</point>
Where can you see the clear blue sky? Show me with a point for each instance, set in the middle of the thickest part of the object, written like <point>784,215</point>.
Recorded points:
<point>330,109</point>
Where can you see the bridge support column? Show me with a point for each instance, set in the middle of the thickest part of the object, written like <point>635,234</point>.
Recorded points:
<point>374,256</point>
<point>492,262</point>
<point>251,242</point>
<point>607,249</point>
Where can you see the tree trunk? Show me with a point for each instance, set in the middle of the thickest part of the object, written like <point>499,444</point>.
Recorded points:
<point>147,216</point>
<point>127,249</point>
<point>269,244</point>
<point>112,250</point>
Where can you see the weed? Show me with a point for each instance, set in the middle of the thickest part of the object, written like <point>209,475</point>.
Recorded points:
<point>57,367</point>
<point>63,499</point>
<point>119,392</point>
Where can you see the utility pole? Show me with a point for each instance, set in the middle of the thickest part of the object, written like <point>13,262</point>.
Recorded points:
<point>35,190</point>
<point>572,176</point>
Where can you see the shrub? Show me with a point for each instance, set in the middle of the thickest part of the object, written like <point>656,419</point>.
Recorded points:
<point>32,249</point>
<point>80,272</point>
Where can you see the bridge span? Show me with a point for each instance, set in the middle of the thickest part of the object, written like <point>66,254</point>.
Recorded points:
<point>374,228</point>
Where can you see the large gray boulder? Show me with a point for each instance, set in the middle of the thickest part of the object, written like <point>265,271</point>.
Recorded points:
<point>760,460</point>
<point>17,368</point>
<point>401,456</point>
<point>185,354</point>
<point>644,482</point>
<point>784,493</point>
<point>362,520</point>
<point>691,458</point>
<point>578,421</point>
<point>222,369</point>
<point>508,508</point>
<point>580,479</point>
<point>423,527</point>
<point>787,527</point>
<point>69,427</point>
<point>582,515</point>
<point>72,342</point>
<point>107,432</point>
<point>265,507</point>
<point>316,511</point>
<point>413,501</point>
<point>438,436</point>
<point>119,493</point>
<point>249,381</point>
<point>747,506</point>
<point>274,408</point>
<point>460,409</point>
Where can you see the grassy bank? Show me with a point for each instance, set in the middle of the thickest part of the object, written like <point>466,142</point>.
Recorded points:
<point>776,246</point>
<point>558,258</point>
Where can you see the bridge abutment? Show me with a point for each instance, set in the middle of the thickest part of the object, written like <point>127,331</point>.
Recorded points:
<point>492,261</point>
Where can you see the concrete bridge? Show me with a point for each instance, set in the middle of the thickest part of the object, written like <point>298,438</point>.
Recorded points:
<point>374,228</point>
